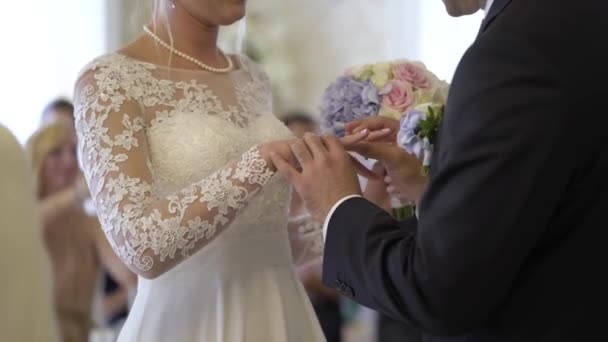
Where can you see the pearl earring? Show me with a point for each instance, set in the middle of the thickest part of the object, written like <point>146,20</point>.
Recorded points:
<point>172,4</point>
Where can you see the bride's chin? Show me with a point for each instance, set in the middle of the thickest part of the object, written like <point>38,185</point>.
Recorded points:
<point>232,14</point>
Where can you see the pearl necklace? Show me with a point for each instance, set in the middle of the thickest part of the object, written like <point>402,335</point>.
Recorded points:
<point>203,66</point>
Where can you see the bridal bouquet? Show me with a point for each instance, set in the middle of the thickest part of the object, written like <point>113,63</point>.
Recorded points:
<point>402,90</point>
<point>418,132</point>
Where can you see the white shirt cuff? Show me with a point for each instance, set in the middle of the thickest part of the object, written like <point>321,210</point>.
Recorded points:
<point>331,212</point>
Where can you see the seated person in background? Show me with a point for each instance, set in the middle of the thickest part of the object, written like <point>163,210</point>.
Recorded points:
<point>26,312</point>
<point>74,239</point>
<point>58,109</point>
<point>326,301</point>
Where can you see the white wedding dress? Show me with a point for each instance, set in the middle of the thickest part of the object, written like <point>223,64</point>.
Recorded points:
<point>185,200</point>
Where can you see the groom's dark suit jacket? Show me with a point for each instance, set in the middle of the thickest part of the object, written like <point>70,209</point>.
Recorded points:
<point>511,243</point>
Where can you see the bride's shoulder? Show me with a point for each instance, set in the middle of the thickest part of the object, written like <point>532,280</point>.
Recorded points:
<point>109,65</point>
<point>252,67</point>
<point>101,62</point>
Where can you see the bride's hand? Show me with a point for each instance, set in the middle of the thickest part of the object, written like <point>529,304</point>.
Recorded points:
<point>283,149</point>
<point>381,129</point>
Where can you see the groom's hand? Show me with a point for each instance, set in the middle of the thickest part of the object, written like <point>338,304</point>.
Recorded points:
<point>327,174</point>
<point>403,169</point>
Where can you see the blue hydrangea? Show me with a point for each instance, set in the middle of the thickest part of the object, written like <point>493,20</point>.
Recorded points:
<point>348,99</point>
<point>409,138</point>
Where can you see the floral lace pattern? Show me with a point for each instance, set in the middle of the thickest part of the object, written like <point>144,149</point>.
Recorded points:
<point>307,240</point>
<point>118,101</point>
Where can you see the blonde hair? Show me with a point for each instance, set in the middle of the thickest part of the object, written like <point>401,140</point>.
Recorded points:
<point>42,142</point>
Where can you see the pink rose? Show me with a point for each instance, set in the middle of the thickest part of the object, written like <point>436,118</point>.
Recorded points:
<point>398,95</point>
<point>413,73</point>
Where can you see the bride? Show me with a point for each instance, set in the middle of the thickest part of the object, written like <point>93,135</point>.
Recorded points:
<point>175,140</point>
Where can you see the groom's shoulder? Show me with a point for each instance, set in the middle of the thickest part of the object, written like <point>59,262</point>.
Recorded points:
<point>549,34</point>
<point>550,24</point>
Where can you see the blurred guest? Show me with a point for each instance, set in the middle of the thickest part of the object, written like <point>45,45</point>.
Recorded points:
<point>74,239</point>
<point>57,109</point>
<point>301,123</point>
<point>26,312</point>
<point>326,301</point>
<point>64,109</point>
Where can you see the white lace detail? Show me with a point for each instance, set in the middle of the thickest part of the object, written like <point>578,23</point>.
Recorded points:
<point>118,102</point>
<point>306,237</point>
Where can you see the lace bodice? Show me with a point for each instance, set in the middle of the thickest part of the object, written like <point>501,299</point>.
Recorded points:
<point>170,157</point>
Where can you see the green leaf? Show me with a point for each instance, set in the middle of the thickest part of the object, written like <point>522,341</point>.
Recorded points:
<point>403,213</point>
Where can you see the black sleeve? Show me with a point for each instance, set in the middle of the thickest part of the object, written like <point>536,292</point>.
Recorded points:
<point>496,183</point>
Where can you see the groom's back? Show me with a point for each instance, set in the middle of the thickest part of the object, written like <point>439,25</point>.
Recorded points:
<point>559,293</point>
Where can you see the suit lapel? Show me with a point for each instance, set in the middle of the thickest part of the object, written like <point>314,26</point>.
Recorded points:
<point>497,7</point>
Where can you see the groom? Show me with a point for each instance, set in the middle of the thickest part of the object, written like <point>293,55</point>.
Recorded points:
<point>510,240</point>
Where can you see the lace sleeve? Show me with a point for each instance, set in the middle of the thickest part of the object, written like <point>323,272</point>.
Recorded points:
<point>306,237</point>
<point>151,234</point>
<point>262,95</point>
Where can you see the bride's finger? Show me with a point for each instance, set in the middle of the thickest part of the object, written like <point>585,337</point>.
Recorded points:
<point>358,125</point>
<point>354,126</point>
<point>353,139</point>
<point>372,123</point>
<point>284,167</point>
<point>383,134</point>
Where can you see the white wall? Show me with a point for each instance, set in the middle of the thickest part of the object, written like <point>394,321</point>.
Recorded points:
<point>443,39</point>
<point>402,23</point>
<point>422,30</point>
<point>45,43</point>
